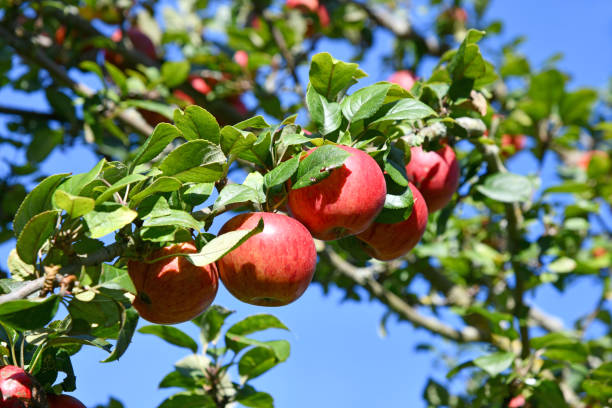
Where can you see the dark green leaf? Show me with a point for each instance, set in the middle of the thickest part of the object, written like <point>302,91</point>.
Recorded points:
<point>29,314</point>
<point>282,172</point>
<point>256,122</point>
<point>397,208</point>
<point>188,400</point>
<point>163,134</point>
<point>365,102</point>
<point>129,320</point>
<point>116,278</point>
<point>197,123</point>
<point>198,161</point>
<point>250,325</point>
<point>256,361</point>
<point>174,73</point>
<point>34,235</point>
<point>172,335</point>
<point>407,109</point>
<point>236,193</point>
<point>177,379</point>
<point>75,184</point>
<point>160,185</point>
<point>117,186</point>
<point>211,321</point>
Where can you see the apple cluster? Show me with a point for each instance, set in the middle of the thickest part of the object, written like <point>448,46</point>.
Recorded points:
<point>21,390</point>
<point>275,266</point>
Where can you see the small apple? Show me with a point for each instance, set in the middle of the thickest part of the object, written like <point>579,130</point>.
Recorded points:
<point>403,78</point>
<point>18,389</point>
<point>199,84</point>
<point>346,202</point>
<point>242,58</point>
<point>585,159</point>
<point>435,174</point>
<point>310,5</point>
<point>512,144</point>
<point>63,401</point>
<point>272,268</point>
<point>172,290</point>
<point>390,241</point>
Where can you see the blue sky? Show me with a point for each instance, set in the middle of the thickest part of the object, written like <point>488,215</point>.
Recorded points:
<point>338,359</point>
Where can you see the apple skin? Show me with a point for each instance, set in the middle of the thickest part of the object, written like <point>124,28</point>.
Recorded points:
<point>173,290</point>
<point>63,401</point>
<point>404,78</point>
<point>272,268</point>
<point>390,241</point>
<point>346,202</point>
<point>18,389</point>
<point>435,174</point>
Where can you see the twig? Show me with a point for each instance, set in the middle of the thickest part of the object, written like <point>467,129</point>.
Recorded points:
<point>28,113</point>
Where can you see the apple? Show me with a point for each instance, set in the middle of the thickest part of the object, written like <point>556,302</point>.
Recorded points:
<point>272,268</point>
<point>18,389</point>
<point>237,103</point>
<point>63,401</point>
<point>323,15</point>
<point>390,241</point>
<point>403,78</point>
<point>139,40</point>
<point>435,174</point>
<point>199,84</point>
<point>346,202</point>
<point>173,290</point>
<point>512,144</point>
<point>310,5</point>
<point>585,159</point>
<point>242,58</point>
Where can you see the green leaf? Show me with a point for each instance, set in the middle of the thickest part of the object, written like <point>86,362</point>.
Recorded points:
<point>107,218</point>
<point>37,201</point>
<point>177,379</point>
<point>157,107</point>
<point>235,141</point>
<point>397,208</point>
<point>255,181</point>
<point>319,164</point>
<point>163,134</point>
<point>193,365</point>
<point>210,323</point>
<point>407,109</point>
<point>198,161</point>
<point>436,394</point>
<point>116,278</point>
<point>552,339</point>
<point>171,335</point>
<point>222,244</point>
<point>329,76</point>
<point>197,123</point>
<point>43,142</point>
<point>495,363</point>
<point>117,76</point>
<point>563,264</point>
<point>129,320</point>
<point>75,184</point>
<point>160,185</point>
<point>236,193</point>
<point>256,361</point>
<point>507,188</point>
<point>467,62</point>
<point>188,400</point>
<point>569,187</point>
<point>326,115</point>
<point>35,234</point>
<point>548,88</point>
<point>250,325</point>
<point>117,186</point>
<point>174,73</point>
<point>248,397</point>
<point>29,314</point>
<point>19,270</point>
<point>365,102</point>
<point>176,218</point>
<point>75,206</point>
<point>282,172</point>
<point>576,107</point>
<point>256,122</point>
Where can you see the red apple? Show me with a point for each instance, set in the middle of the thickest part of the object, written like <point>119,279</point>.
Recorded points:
<point>585,159</point>
<point>199,84</point>
<point>242,58</point>
<point>323,15</point>
<point>512,144</point>
<point>272,268</point>
<point>346,202</point>
<point>173,290</point>
<point>389,241</point>
<point>63,401</point>
<point>435,174</point>
<point>18,389</point>
<point>404,78</point>
<point>310,5</point>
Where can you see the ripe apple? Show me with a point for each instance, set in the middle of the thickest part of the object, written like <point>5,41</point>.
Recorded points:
<point>173,290</point>
<point>585,159</point>
<point>435,174</point>
<point>403,78</point>
<point>140,41</point>
<point>18,389</point>
<point>389,241</point>
<point>513,143</point>
<point>310,5</point>
<point>272,268</point>
<point>346,202</point>
<point>63,401</point>
<point>242,58</point>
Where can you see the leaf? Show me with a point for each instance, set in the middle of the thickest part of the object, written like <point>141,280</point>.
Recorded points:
<point>198,161</point>
<point>329,76</point>
<point>174,73</point>
<point>365,102</point>
<point>193,365</point>
<point>210,323</point>
<point>188,400</point>
<point>250,325</point>
<point>74,184</point>
<point>176,218</point>
<point>255,362</point>
<point>116,278</point>
<point>117,76</point>
<point>35,234</point>
<point>236,193</point>
<point>37,201</point>
<point>29,314</point>
<point>159,185</point>
<point>129,320</point>
<point>256,122</point>
<point>157,107</point>
<point>235,141</point>
<point>197,123</point>
<point>255,181</point>
<point>75,206</point>
<point>495,363</point>
<point>507,188</point>
<point>397,208</point>
<point>117,186</point>
<point>281,173</point>
<point>254,399</point>
<point>222,244</point>
<point>177,379</point>
<point>319,164</point>
<point>161,137</point>
<point>171,335</point>
<point>563,264</point>
<point>19,270</point>
<point>407,109</point>
<point>326,115</point>
<point>107,218</point>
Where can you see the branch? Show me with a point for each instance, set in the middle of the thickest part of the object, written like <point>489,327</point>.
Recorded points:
<point>105,254</point>
<point>28,113</point>
<point>403,309</point>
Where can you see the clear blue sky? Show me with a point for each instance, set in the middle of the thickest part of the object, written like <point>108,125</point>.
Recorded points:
<point>338,358</point>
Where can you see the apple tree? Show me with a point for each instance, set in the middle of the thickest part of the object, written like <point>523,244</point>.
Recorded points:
<point>358,187</point>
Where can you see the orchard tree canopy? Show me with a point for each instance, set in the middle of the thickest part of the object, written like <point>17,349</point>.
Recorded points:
<point>360,188</point>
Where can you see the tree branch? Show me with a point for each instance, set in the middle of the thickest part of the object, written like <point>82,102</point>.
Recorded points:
<point>28,113</point>
<point>105,254</point>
